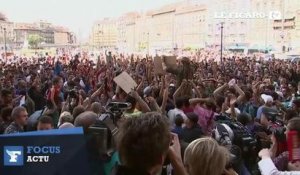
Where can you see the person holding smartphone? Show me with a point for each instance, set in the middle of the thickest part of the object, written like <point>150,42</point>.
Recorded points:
<point>267,166</point>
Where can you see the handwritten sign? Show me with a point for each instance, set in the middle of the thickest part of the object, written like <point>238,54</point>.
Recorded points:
<point>158,68</point>
<point>170,61</point>
<point>125,81</point>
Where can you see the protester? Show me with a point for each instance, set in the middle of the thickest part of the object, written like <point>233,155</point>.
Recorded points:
<point>19,116</point>
<point>5,119</point>
<point>149,136</point>
<point>204,156</point>
<point>267,166</point>
<point>252,97</point>
<point>45,123</point>
<point>192,130</point>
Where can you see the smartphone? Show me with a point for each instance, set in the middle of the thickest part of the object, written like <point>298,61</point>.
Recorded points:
<point>293,146</point>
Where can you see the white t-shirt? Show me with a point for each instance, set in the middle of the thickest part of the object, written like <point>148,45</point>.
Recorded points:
<point>173,113</point>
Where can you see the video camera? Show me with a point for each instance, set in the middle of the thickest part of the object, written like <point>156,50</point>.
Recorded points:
<point>101,135</point>
<point>242,137</point>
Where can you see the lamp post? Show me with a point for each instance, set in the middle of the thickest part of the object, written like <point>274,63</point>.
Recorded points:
<point>282,25</point>
<point>148,47</point>
<point>5,56</point>
<point>222,23</point>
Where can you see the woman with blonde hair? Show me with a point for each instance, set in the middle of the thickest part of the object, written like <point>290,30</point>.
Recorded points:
<point>204,156</point>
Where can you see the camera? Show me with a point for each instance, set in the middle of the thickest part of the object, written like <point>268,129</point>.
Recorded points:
<point>73,93</point>
<point>101,135</point>
<point>242,137</point>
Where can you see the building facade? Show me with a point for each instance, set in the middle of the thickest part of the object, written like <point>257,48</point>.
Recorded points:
<point>127,31</point>
<point>104,33</point>
<point>7,35</point>
<point>248,24</point>
<point>190,26</point>
<point>50,35</point>
<point>61,36</point>
<point>23,31</point>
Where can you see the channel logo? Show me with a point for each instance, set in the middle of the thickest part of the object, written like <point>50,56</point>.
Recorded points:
<point>275,15</point>
<point>13,155</point>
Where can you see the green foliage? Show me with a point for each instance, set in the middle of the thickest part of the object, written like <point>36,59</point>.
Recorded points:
<point>34,41</point>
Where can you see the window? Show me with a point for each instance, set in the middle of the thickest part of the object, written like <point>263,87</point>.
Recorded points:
<point>289,27</point>
<point>277,28</point>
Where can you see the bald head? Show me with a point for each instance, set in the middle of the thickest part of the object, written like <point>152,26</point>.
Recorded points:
<point>85,119</point>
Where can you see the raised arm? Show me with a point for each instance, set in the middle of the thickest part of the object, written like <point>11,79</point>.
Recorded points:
<point>144,107</point>
<point>195,101</point>
<point>97,92</point>
<point>240,92</point>
<point>140,87</point>
<point>178,91</point>
<point>219,90</point>
<point>153,104</point>
<point>165,100</point>
<point>197,92</point>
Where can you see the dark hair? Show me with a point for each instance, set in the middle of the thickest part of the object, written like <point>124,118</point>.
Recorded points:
<point>46,120</point>
<point>77,110</point>
<point>5,92</point>
<point>220,100</point>
<point>248,95</point>
<point>186,101</point>
<point>244,118</point>
<point>178,120</point>
<point>56,80</point>
<point>143,140</point>
<point>180,102</point>
<point>5,113</point>
<point>131,100</point>
<point>290,113</point>
<point>294,124</point>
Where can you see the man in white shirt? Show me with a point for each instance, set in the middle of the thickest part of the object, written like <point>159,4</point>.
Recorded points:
<point>177,111</point>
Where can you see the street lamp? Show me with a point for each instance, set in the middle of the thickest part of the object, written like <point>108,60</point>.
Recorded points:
<point>4,32</point>
<point>100,42</point>
<point>282,40</point>
<point>222,23</point>
<point>148,47</point>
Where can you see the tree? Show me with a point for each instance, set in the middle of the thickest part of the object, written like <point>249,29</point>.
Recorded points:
<point>34,41</point>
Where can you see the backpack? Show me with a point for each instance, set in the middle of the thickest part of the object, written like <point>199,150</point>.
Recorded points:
<point>242,137</point>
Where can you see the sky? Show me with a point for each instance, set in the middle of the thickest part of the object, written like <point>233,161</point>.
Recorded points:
<point>77,15</point>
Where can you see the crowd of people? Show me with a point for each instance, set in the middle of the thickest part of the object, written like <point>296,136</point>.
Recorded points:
<point>200,114</point>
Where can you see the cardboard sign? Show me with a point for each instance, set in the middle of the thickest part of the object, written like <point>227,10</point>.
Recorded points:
<point>158,68</point>
<point>170,61</point>
<point>125,81</point>
<point>48,152</point>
